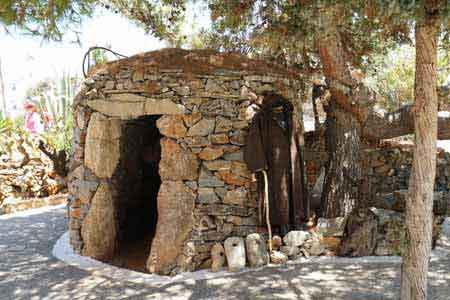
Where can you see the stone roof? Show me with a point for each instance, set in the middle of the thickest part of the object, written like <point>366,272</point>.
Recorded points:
<point>197,62</point>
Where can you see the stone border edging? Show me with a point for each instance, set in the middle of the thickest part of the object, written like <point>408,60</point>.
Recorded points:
<point>64,252</point>
<point>32,211</point>
<point>33,203</point>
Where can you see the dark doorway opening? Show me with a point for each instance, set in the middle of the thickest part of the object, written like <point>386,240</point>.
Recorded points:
<point>138,185</point>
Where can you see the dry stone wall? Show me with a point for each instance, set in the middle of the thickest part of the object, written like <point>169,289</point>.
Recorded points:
<point>206,101</point>
<point>386,168</point>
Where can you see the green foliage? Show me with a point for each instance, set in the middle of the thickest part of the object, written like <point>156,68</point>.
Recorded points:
<point>59,137</point>
<point>392,77</point>
<point>6,125</point>
<point>10,131</point>
<point>49,19</point>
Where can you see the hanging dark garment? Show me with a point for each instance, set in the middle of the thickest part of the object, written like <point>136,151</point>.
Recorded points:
<point>273,145</point>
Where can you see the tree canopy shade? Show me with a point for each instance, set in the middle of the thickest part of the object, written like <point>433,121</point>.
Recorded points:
<point>51,19</point>
<point>327,37</point>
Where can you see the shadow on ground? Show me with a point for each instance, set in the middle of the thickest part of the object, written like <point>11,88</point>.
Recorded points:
<point>28,271</point>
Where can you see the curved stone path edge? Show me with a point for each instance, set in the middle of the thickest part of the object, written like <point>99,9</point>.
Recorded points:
<point>64,252</point>
<point>28,270</point>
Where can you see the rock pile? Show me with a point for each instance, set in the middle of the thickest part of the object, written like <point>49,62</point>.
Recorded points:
<point>28,186</point>
<point>378,232</point>
<point>255,253</point>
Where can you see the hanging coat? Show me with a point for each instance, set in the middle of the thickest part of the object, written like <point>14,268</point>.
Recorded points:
<point>273,145</point>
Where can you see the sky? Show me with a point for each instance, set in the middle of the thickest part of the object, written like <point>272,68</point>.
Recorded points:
<point>27,60</point>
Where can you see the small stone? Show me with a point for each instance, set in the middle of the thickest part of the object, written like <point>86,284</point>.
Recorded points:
<point>219,138</point>
<point>206,223</point>
<point>238,138</point>
<point>217,257</point>
<point>221,192</point>
<point>207,179</point>
<point>216,60</point>
<point>109,85</point>
<point>207,195</point>
<point>296,238</point>
<point>290,250</point>
<point>235,253</point>
<point>192,119</point>
<point>231,178</point>
<point>223,125</point>
<point>314,244</point>
<point>138,75</point>
<point>240,124</point>
<point>331,226</point>
<point>277,242</point>
<point>230,148</point>
<point>86,190</point>
<point>75,213</point>
<point>264,88</point>
<point>183,91</point>
<point>210,153</point>
<point>240,169</point>
<point>171,126</point>
<point>212,87</point>
<point>216,165</point>
<point>235,156</point>
<point>203,128</point>
<point>256,250</point>
<point>153,87</point>
<point>192,185</point>
<point>236,197</point>
<point>197,141</point>
<point>384,169</point>
<point>278,258</point>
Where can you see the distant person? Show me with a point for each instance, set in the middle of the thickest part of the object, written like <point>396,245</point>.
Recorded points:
<point>33,122</point>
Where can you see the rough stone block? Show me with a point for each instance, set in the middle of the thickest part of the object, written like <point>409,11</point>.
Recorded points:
<point>257,254</point>
<point>235,253</point>
<point>172,126</point>
<point>207,195</point>
<point>278,258</point>
<point>99,226</point>
<point>296,238</point>
<point>203,128</point>
<point>177,163</point>
<point>217,257</point>
<point>210,153</point>
<point>236,197</point>
<point>102,150</point>
<point>175,221</point>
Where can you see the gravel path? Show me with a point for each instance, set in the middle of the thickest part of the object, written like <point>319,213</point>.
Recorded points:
<point>29,271</point>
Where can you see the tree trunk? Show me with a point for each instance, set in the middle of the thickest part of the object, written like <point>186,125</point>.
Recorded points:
<point>419,205</point>
<point>2,92</point>
<point>398,123</point>
<point>343,169</point>
<point>401,122</point>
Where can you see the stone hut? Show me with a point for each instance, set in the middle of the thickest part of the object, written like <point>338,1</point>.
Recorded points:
<point>157,173</point>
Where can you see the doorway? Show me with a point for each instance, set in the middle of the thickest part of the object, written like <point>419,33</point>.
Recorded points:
<point>138,183</point>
